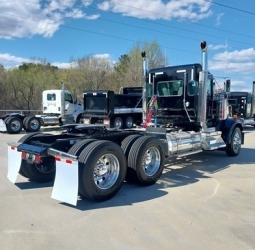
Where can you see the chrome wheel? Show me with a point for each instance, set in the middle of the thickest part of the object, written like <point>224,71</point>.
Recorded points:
<point>118,123</point>
<point>129,122</point>
<point>34,124</point>
<point>237,141</point>
<point>15,125</point>
<point>106,171</point>
<point>233,148</point>
<point>151,161</point>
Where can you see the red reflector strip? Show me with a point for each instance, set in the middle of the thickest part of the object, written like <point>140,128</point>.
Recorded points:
<point>13,148</point>
<point>37,158</point>
<point>23,155</point>
<point>57,159</point>
<point>67,161</point>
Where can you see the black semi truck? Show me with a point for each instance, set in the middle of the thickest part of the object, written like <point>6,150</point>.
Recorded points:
<point>182,115</point>
<point>121,110</point>
<point>242,105</point>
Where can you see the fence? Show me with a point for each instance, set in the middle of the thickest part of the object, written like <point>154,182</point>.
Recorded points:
<point>22,112</point>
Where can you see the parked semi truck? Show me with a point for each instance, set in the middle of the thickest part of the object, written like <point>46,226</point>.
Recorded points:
<point>182,115</point>
<point>121,110</point>
<point>243,105</point>
<point>58,107</point>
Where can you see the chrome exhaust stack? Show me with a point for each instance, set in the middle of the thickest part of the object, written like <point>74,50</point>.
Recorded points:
<point>202,98</point>
<point>145,70</point>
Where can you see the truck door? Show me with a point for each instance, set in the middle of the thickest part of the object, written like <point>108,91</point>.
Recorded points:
<point>69,104</point>
<point>248,106</point>
<point>191,93</point>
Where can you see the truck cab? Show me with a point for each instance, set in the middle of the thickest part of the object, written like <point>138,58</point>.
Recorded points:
<point>59,107</point>
<point>243,106</point>
<point>52,102</point>
<point>178,97</point>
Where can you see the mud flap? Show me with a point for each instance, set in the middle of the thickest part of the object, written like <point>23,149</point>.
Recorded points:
<point>65,187</point>
<point>14,163</point>
<point>2,126</point>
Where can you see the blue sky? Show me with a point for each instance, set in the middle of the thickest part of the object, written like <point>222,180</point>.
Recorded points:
<point>58,30</point>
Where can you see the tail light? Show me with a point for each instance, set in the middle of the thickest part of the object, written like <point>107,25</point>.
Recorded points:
<point>30,157</point>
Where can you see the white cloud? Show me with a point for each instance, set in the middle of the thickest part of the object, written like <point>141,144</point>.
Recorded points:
<point>26,19</point>
<point>241,62</point>
<point>218,19</point>
<point>9,60</point>
<point>237,55</point>
<point>92,17</point>
<point>102,56</point>
<point>86,3</point>
<point>158,9</point>
<point>64,65</point>
<point>216,47</point>
<point>239,85</point>
<point>247,78</point>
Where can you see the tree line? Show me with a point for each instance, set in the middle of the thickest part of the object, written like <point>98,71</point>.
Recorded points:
<point>21,88</point>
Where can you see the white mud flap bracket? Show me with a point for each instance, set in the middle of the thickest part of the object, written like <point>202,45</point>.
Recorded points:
<point>65,186</point>
<point>14,161</point>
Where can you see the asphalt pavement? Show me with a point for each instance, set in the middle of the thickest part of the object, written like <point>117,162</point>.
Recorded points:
<point>204,201</point>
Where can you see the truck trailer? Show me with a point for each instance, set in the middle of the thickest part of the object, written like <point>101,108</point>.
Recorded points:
<point>58,107</point>
<point>182,115</point>
<point>120,111</point>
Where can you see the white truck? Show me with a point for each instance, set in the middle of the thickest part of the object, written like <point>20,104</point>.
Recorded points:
<point>58,106</point>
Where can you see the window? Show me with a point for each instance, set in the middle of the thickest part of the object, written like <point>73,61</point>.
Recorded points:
<point>51,97</point>
<point>68,98</point>
<point>192,88</point>
<point>249,98</point>
<point>232,101</point>
<point>209,87</point>
<point>170,88</point>
<point>149,90</point>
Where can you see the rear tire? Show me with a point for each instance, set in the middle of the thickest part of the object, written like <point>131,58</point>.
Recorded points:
<point>129,122</point>
<point>102,170</point>
<point>13,125</point>
<point>24,122</point>
<point>23,168</point>
<point>79,146</point>
<point>79,119</point>
<point>32,124</point>
<point>234,147</point>
<point>117,123</point>
<point>146,158</point>
<point>28,136</point>
<point>44,172</point>
<point>126,145</point>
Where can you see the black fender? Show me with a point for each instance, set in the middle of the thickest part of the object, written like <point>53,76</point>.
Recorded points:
<point>227,127</point>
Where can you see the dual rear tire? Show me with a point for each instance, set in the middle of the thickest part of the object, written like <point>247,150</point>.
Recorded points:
<point>104,165</point>
<point>102,170</point>
<point>31,124</point>
<point>15,124</point>
<point>120,124</point>
<point>145,159</point>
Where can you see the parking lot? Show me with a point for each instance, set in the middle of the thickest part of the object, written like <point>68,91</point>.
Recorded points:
<point>202,202</point>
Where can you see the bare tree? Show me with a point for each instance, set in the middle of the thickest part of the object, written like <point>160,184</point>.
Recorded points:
<point>132,71</point>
